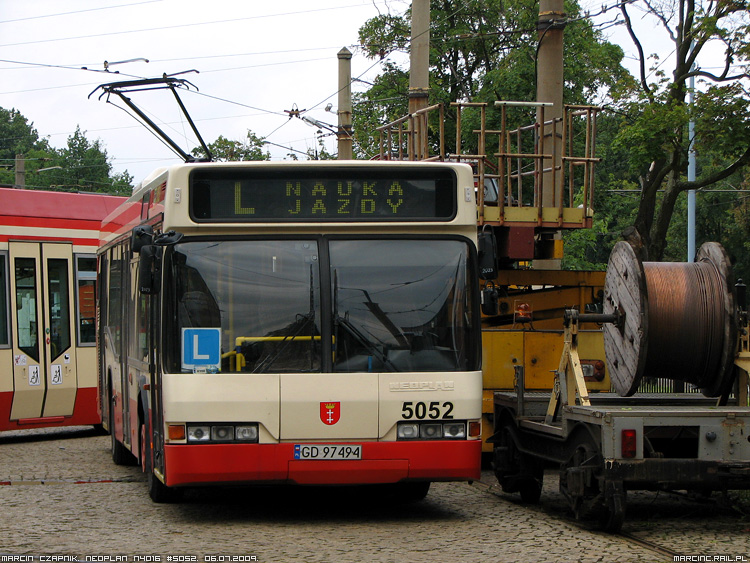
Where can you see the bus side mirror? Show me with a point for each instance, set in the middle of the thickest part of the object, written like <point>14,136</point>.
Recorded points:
<point>142,236</point>
<point>487,254</point>
<point>149,270</point>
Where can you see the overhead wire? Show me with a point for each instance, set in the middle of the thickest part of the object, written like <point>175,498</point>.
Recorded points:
<point>179,26</point>
<point>264,111</point>
<point>76,12</point>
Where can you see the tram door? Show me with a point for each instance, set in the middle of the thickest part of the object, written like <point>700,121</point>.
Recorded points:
<point>42,306</point>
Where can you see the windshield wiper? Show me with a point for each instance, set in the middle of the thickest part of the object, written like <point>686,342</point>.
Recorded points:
<point>338,321</point>
<point>308,318</point>
<point>382,316</point>
<point>269,359</point>
<point>364,341</point>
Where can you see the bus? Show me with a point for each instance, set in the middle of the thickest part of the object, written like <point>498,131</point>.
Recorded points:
<point>48,243</point>
<point>309,323</point>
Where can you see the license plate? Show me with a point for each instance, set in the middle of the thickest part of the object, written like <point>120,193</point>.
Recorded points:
<point>327,451</point>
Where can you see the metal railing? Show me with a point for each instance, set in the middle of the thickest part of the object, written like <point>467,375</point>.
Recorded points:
<point>537,173</point>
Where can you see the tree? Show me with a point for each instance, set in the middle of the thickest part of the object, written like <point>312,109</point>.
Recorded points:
<point>385,101</point>
<point>84,165</point>
<point>225,150</point>
<point>18,136</point>
<point>81,165</point>
<point>654,130</point>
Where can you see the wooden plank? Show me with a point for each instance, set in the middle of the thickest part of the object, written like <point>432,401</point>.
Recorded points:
<point>625,346</point>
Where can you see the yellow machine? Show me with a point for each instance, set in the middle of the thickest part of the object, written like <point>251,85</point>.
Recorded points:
<point>529,336</point>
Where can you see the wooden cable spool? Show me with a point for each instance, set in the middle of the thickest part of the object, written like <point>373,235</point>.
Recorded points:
<point>677,320</point>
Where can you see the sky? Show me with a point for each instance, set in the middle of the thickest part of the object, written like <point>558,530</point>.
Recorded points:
<point>254,61</point>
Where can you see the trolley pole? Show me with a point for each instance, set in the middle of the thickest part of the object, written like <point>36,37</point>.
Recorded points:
<point>419,65</point>
<point>344,133</point>
<point>549,88</point>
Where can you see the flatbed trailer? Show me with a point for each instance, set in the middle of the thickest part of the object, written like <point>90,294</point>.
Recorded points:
<point>616,444</point>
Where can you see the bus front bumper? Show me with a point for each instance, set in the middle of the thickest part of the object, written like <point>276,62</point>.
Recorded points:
<point>381,462</point>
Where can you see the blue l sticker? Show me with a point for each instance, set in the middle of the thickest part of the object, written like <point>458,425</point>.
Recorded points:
<point>201,348</point>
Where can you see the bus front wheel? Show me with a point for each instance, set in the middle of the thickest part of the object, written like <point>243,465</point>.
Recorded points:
<point>157,490</point>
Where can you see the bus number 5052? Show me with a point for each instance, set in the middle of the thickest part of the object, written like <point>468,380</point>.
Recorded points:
<point>433,410</point>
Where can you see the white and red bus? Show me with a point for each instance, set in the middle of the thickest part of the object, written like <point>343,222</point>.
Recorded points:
<point>48,243</point>
<point>309,323</point>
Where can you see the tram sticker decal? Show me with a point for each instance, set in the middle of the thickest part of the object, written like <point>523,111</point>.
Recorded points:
<point>201,349</point>
<point>19,359</point>
<point>56,377</point>
<point>34,376</point>
<point>330,412</point>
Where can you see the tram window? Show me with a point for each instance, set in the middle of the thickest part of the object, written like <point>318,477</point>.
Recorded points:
<point>58,294</point>
<point>86,313</point>
<point>28,326</point>
<point>4,332</point>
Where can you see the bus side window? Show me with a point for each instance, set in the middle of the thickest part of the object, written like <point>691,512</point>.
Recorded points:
<point>115,299</point>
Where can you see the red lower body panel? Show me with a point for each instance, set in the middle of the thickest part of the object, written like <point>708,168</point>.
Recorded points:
<point>85,412</point>
<point>382,462</point>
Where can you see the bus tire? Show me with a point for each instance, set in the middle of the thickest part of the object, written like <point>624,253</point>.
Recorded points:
<point>413,492</point>
<point>157,490</point>
<point>120,454</point>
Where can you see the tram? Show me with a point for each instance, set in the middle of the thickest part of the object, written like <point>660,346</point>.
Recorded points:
<point>48,243</point>
<point>311,323</point>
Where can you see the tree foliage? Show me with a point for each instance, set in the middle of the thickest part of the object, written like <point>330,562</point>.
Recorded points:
<point>17,137</point>
<point>654,131</point>
<point>81,165</point>
<point>226,150</point>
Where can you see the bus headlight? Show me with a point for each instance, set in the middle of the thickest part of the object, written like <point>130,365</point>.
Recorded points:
<point>431,431</point>
<point>246,433</point>
<point>222,433</point>
<point>454,430</point>
<point>408,431</point>
<point>198,433</point>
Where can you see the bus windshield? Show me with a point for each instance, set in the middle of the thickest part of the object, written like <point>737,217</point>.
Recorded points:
<point>390,305</point>
<point>400,305</point>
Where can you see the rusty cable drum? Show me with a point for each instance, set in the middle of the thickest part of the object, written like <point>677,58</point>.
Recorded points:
<point>678,320</point>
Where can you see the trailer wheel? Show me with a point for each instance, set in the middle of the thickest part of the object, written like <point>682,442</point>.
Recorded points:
<point>613,512</point>
<point>579,482</point>
<point>515,471</point>
<point>589,496</point>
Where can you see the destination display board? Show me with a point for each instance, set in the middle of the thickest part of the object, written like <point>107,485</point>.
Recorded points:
<point>361,193</point>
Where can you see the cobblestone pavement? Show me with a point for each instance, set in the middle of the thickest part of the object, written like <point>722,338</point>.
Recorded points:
<point>60,494</point>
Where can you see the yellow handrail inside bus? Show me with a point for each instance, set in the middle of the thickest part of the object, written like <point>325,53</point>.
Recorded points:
<point>241,362</point>
<point>242,339</point>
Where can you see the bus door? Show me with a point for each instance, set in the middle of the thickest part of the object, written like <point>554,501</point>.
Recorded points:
<point>42,325</point>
